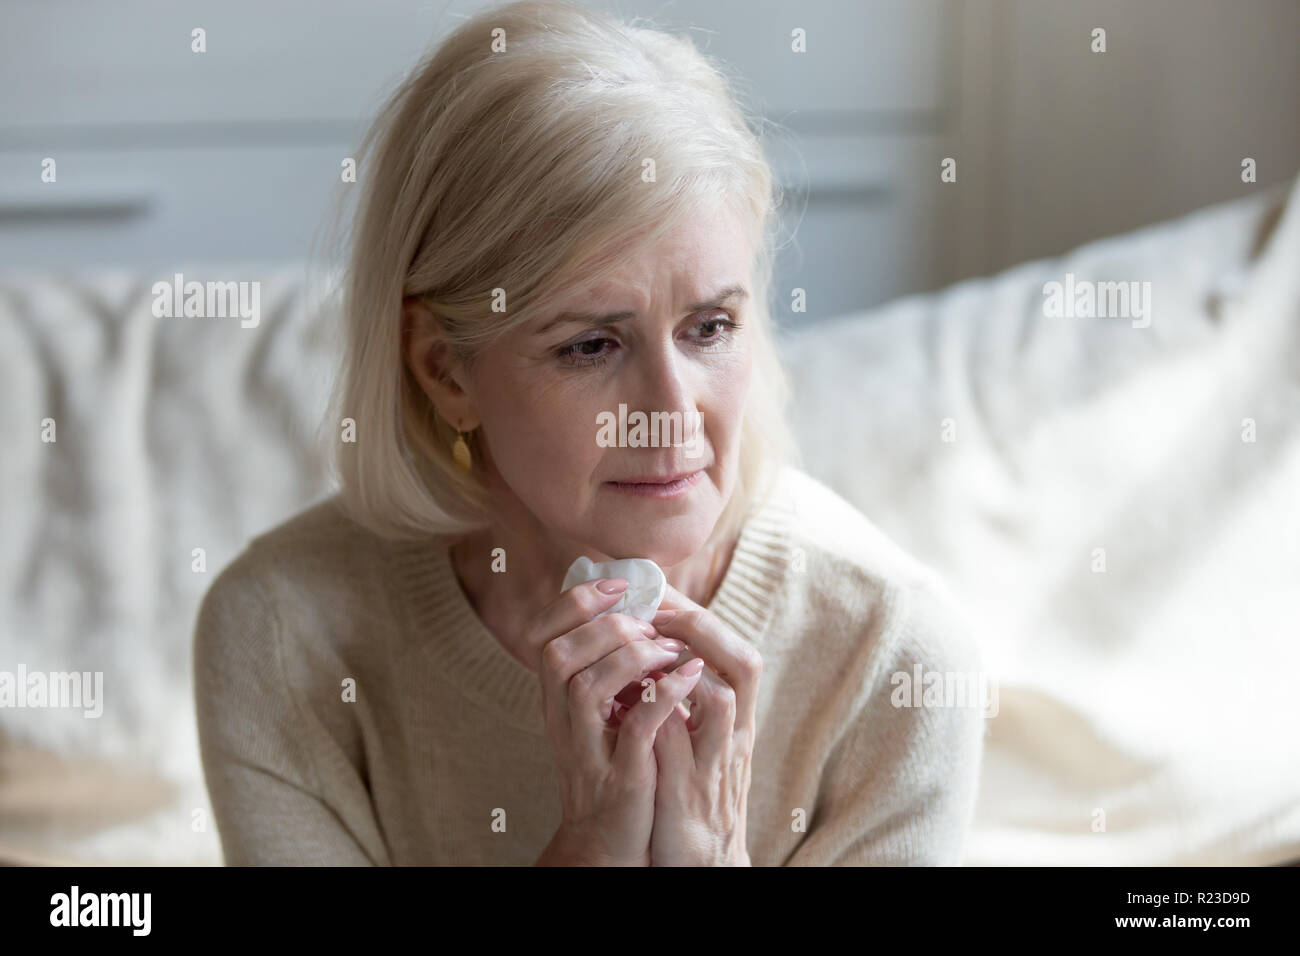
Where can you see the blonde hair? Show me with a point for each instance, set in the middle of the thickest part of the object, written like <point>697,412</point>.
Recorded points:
<point>521,169</point>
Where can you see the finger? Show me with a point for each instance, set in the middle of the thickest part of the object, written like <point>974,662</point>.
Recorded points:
<point>675,755</point>
<point>734,659</point>
<point>620,709</point>
<point>573,608</point>
<point>636,735</point>
<point>592,690</point>
<point>713,720</point>
<point>570,653</point>
<point>630,694</point>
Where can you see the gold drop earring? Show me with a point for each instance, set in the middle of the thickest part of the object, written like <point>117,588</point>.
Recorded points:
<point>460,451</point>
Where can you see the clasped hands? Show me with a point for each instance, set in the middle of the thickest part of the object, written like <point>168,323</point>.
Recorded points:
<point>642,781</point>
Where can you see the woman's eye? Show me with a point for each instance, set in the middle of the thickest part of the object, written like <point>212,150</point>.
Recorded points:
<point>714,331</point>
<point>584,352</point>
<point>724,326</point>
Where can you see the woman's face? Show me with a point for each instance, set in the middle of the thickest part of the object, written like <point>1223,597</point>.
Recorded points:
<point>548,398</point>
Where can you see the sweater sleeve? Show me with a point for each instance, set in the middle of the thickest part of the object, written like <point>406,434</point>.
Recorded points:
<point>254,740</point>
<point>899,786</point>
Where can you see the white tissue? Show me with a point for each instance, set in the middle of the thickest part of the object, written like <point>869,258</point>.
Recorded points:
<point>645,589</point>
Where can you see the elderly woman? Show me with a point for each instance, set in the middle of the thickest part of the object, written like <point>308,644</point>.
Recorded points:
<point>568,219</point>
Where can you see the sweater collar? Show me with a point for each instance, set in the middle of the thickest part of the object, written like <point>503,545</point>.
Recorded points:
<point>461,646</point>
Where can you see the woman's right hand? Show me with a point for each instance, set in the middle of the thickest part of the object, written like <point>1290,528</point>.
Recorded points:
<point>607,770</point>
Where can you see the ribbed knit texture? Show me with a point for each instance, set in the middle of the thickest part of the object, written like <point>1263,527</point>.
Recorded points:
<point>443,757</point>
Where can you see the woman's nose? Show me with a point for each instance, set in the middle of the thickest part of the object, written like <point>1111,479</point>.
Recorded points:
<point>667,385</point>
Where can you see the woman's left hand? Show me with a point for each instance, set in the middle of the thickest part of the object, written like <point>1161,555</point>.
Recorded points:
<point>702,792</point>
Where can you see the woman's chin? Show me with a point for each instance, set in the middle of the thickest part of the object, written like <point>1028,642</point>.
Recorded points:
<point>663,551</point>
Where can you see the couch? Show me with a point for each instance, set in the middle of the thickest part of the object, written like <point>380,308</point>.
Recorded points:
<point>1117,505</point>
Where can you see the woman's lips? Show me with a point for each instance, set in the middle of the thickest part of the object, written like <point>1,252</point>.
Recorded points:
<point>666,490</point>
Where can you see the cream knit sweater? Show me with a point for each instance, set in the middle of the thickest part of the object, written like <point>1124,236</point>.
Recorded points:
<point>443,756</point>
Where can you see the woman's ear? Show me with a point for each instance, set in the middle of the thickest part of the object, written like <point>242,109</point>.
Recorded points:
<point>431,361</point>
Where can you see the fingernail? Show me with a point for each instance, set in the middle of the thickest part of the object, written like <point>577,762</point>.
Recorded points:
<point>664,616</point>
<point>612,586</point>
<point>647,628</point>
<point>669,644</point>
<point>692,667</point>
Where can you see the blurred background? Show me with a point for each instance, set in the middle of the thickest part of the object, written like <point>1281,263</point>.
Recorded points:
<point>235,152</point>
<point>1114,503</point>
